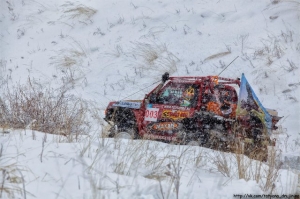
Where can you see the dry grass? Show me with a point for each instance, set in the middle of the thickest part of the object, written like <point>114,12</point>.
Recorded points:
<point>218,55</point>
<point>222,162</point>
<point>241,163</point>
<point>168,168</point>
<point>70,62</point>
<point>155,57</point>
<point>270,174</point>
<point>272,49</point>
<point>242,167</point>
<point>68,58</point>
<point>81,12</point>
<point>294,2</point>
<point>148,52</point>
<point>248,161</point>
<point>11,178</point>
<point>163,163</point>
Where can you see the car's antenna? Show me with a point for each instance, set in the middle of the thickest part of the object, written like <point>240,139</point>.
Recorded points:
<point>141,90</point>
<point>227,66</point>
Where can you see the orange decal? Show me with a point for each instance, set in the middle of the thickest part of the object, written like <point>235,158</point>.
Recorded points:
<point>165,126</point>
<point>215,108</point>
<point>215,79</point>
<point>175,115</point>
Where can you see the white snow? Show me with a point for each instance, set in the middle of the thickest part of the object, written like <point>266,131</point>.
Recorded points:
<point>116,48</point>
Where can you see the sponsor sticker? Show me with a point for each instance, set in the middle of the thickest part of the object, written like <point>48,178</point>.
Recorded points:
<point>165,126</point>
<point>127,104</point>
<point>175,114</point>
<point>175,107</point>
<point>159,137</point>
<point>151,114</point>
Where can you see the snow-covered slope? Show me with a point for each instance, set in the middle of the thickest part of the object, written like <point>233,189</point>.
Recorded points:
<point>46,166</point>
<point>107,50</point>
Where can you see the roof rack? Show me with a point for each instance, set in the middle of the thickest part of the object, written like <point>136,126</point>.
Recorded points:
<point>207,78</point>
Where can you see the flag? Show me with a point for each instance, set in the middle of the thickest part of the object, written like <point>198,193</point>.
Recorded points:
<point>249,103</point>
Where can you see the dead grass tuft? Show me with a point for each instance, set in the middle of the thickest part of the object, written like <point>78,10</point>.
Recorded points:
<point>218,55</point>
<point>155,57</point>
<point>10,180</point>
<point>67,58</point>
<point>81,12</point>
<point>223,163</point>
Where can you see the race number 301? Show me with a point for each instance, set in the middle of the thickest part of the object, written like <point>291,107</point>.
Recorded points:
<point>151,114</point>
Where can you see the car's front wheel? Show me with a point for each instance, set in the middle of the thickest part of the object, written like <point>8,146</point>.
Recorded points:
<point>126,134</point>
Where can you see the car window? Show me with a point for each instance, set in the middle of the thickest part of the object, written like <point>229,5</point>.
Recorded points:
<point>224,94</point>
<point>184,95</point>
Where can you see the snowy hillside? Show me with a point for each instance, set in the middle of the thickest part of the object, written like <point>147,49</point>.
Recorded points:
<point>101,51</point>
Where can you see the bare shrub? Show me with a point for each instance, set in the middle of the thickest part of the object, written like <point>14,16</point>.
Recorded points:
<point>54,111</point>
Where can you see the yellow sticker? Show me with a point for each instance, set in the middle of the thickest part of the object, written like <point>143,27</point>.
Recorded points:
<point>175,115</point>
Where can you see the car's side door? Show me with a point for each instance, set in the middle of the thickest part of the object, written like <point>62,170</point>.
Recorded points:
<point>174,102</point>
